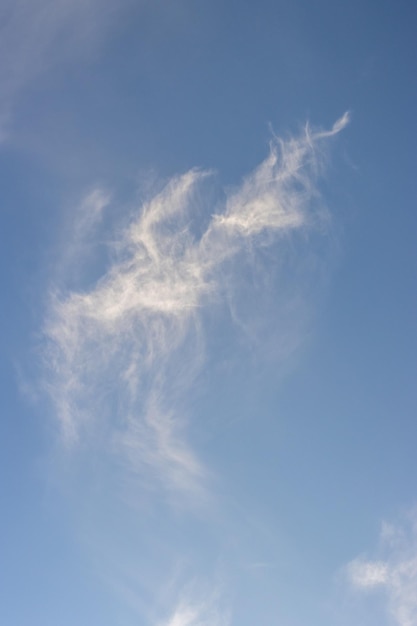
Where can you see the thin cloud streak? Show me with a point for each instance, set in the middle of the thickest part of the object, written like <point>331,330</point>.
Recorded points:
<point>395,573</point>
<point>120,355</point>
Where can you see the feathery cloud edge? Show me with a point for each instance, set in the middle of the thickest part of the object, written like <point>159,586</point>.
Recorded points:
<point>118,355</point>
<point>395,573</point>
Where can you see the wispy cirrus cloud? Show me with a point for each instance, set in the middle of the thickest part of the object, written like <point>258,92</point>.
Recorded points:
<point>195,615</point>
<point>394,571</point>
<point>192,611</point>
<point>121,353</point>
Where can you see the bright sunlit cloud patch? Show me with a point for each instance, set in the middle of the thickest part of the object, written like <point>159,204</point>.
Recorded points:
<point>395,573</point>
<point>121,354</point>
<point>192,613</point>
<point>368,574</point>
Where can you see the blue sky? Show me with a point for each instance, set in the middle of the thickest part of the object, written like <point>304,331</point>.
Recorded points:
<point>208,315</point>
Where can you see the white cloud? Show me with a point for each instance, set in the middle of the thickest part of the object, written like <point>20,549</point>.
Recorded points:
<point>368,574</point>
<point>120,354</point>
<point>192,612</point>
<point>395,573</point>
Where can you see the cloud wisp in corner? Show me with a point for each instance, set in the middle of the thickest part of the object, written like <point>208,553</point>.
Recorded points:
<point>394,573</point>
<point>120,355</point>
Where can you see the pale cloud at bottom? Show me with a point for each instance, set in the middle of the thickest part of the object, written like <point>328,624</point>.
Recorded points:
<point>394,572</point>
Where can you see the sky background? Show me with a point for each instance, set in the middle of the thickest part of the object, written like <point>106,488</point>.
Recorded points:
<point>209,347</point>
